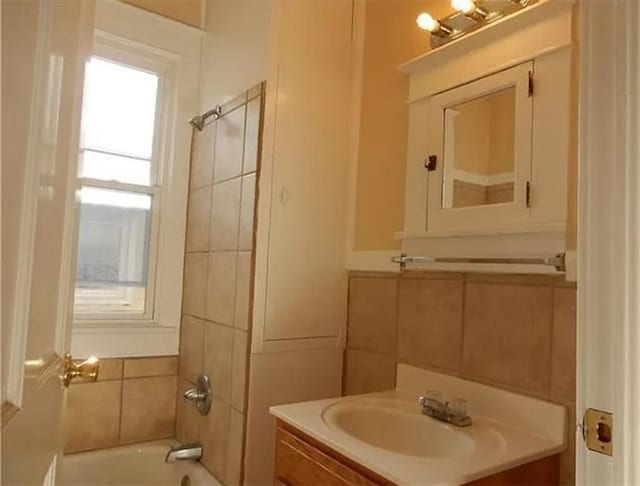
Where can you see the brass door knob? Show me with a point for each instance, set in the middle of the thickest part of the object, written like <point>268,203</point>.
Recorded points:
<point>87,369</point>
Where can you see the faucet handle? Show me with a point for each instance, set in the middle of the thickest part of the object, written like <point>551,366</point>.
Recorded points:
<point>458,407</point>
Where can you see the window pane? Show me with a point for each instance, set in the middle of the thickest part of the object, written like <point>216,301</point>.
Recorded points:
<point>107,167</point>
<point>119,108</point>
<point>113,251</point>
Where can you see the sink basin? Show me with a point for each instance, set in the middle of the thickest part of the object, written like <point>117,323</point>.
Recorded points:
<point>399,430</point>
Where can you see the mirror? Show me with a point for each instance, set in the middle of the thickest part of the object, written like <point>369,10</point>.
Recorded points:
<point>479,156</point>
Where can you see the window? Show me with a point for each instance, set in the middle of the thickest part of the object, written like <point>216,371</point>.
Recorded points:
<point>140,89</point>
<point>114,271</point>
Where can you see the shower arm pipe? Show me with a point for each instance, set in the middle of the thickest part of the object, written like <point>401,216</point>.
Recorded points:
<point>198,121</point>
<point>215,112</point>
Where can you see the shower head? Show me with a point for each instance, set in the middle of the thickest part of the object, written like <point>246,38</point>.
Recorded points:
<point>198,121</point>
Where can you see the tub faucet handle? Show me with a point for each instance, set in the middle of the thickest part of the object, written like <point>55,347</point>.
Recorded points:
<point>201,395</point>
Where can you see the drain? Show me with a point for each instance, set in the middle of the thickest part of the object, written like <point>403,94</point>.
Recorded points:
<point>185,481</point>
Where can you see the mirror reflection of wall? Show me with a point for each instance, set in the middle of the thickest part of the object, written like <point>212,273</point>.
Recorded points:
<point>479,152</point>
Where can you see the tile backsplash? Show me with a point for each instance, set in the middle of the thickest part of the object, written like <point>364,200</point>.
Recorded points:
<point>133,400</point>
<point>516,332</point>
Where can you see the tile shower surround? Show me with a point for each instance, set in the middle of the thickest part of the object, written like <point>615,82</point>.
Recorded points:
<point>132,401</point>
<point>214,337</point>
<point>510,331</point>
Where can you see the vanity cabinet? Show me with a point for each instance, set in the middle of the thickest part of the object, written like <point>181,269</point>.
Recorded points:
<point>303,461</point>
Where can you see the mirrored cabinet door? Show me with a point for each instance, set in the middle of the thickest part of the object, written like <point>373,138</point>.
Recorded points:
<point>480,140</point>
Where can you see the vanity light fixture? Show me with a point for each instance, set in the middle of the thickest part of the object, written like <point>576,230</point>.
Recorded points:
<point>470,15</point>
<point>428,23</point>
<point>470,9</point>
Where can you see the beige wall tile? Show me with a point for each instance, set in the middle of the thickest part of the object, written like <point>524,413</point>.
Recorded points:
<point>506,278</point>
<point>239,370</point>
<point>367,372</point>
<point>148,408</point>
<point>432,275</point>
<point>243,291</point>
<point>92,415</point>
<point>235,446</point>
<point>156,366</point>
<point>563,358</point>
<point>225,215</point>
<point>247,208</point>
<point>229,145</point>
<point>430,322</point>
<point>214,436</point>
<point>198,219</point>
<point>221,287</point>
<point>252,137</point>
<point>191,348</point>
<point>508,334</point>
<point>187,416</point>
<point>218,347</point>
<point>195,284</point>
<point>372,314</point>
<point>202,156</point>
<point>109,369</point>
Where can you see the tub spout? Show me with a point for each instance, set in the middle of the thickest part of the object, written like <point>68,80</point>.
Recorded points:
<point>186,452</point>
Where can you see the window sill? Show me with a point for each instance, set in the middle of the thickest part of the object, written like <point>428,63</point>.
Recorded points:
<point>124,339</point>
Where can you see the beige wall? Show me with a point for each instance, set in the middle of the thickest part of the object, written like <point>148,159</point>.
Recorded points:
<point>512,332</point>
<point>186,11</point>
<point>133,400</point>
<point>215,332</point>
<point>391,38</point>
<point>235,48</point>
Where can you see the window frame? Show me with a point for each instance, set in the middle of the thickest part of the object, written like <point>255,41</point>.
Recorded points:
<point>134,57</point>
<point>130,36</point>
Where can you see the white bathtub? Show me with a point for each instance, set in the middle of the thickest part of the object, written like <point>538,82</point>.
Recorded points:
<point>133,465</point>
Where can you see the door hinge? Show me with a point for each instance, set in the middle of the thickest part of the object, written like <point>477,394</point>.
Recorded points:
<point>530,85</point>
<point>527,194</point>
<point>597,431</point>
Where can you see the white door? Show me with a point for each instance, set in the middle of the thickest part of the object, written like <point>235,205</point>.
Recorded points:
<point>608,374</point>
<point>44,46</point>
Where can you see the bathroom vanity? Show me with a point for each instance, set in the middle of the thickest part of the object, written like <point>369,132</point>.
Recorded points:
<point>383,438</point>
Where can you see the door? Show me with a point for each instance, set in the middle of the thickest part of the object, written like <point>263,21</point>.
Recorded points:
<point>44,45</point>
<point>608,374</point>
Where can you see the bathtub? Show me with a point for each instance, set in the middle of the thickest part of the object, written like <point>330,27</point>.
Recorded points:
<point>133,465</point>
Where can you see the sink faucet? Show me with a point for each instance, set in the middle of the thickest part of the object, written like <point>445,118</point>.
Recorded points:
<point>184,452</point>
<point>452,412</point>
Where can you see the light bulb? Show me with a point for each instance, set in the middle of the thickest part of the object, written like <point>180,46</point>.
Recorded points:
<point>427,22</point>
<point>465,6</point>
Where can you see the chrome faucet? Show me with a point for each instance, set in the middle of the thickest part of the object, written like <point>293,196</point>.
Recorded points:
<point>201,395</point>
<point>184,452</point>
<point>453,412</point>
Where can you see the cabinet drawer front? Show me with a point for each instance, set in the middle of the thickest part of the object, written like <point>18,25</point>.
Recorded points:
<point>300,464</point>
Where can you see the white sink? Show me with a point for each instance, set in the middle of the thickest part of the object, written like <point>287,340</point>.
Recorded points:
<point>386,433</point>
<point>381,423</point>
